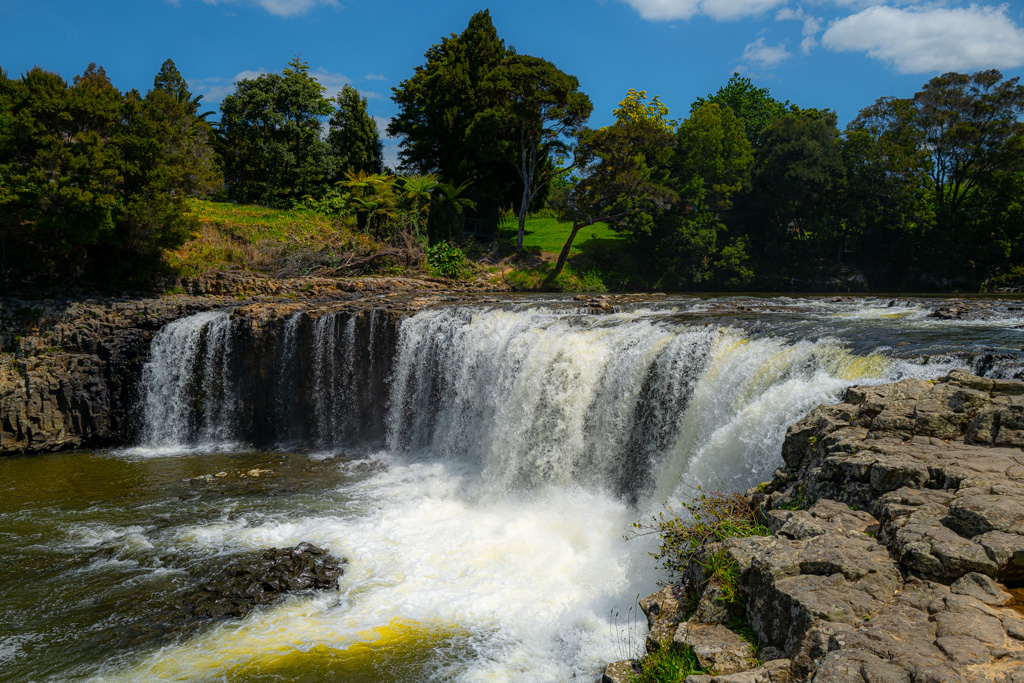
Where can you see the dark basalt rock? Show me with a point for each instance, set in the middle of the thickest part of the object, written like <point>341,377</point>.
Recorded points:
<point>242,586</point>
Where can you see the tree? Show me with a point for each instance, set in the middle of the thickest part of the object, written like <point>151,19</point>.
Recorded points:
<point>798,176</point>
<point>538,109</point>
<point>92,182</point>
<point>754,106</point>
<point>621,177</point>
<point>271,130</point>
<point>711,162</point>
<point>968,122</point>
<point>886,205</point>
<point>353,135</point>
<point>188,157</point>
<point>436,107</point>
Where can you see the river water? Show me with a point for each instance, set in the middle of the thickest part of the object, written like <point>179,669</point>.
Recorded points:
<point>483,525</point>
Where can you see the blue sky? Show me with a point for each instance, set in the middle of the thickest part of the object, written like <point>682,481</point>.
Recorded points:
<point>839,54</point>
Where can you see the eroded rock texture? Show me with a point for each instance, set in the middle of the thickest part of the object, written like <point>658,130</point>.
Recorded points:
<point>897,546</point>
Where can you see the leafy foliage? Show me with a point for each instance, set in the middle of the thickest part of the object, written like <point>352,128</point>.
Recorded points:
<point>353,135</point>
<point>271,139</point>
<point>92,182</point>
<point>446,259</point>
<point>536,109</point>
<point>437,106</point>
<point>706,518</point>
<point>669,664</point>
<point>754,106</point>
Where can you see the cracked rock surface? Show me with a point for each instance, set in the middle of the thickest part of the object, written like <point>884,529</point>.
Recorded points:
<point>897,546</point>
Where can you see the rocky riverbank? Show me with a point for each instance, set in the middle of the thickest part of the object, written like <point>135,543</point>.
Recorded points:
<point>896,552</point>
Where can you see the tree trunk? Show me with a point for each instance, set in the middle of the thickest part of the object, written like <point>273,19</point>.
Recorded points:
<point>563,256</point>
<point>524,207</point>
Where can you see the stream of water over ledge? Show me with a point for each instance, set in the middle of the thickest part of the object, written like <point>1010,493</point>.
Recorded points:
<point>476,465</point>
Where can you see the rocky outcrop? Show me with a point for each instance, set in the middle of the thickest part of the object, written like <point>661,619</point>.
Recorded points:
<point>242,586</point>
<point>897,544</point>
<point>70,368</point>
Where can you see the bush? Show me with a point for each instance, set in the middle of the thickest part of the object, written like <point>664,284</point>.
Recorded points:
<point>445,259</point>
<point>669,665</point>
<point>706,518</point>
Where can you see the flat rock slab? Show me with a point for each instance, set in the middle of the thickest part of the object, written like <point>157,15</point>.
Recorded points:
<point>939,464</point>
<point>715,646</point>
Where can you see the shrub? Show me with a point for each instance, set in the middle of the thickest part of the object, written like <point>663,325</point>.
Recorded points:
<point>708,517</point>
<point>668,665</point>
<point>446,259</point>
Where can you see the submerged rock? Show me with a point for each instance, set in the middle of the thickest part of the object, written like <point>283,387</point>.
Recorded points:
<point>242,586</point>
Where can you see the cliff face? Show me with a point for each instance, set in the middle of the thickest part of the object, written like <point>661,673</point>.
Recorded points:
<point>69,370</point>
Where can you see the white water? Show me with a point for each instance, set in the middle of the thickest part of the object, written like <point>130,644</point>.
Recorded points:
<point>521,445</point>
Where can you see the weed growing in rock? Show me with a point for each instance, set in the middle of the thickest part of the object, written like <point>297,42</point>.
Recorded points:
<point>725,571</point>
<point>668,665</point>
<point>706,518</point>
<point>628,638</point>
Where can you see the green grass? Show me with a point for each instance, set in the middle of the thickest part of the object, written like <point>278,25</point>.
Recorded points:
<point>273,241</point>
<point>257,223</point>
<point>549,234</point>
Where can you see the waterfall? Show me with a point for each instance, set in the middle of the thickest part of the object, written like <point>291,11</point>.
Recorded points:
<point>174,378</point>
<point>218,381</point>
<point>632,403</point>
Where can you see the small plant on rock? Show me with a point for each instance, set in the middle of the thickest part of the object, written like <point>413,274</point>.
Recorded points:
<point>708,517</point>
<point>669,665</point>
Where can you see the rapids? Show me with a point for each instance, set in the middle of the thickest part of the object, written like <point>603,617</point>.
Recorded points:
<point>477,466</point>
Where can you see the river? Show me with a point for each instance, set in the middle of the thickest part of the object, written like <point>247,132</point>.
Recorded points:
<point>479,486</point>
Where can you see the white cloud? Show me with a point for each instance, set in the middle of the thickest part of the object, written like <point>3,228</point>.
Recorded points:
<point>766,56</point>
<point>331,81</point>
<point>375,77</point>
<point>720,10</point>
<point>811,26</point>
<point>282,8</point>
<point>931,39</point>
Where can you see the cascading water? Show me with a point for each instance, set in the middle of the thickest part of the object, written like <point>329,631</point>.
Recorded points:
<point>494,456</point>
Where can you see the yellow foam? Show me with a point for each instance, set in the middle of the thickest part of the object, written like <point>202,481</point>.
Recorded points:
<point>397,650</point>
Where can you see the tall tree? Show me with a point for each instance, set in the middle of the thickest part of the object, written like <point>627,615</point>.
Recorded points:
<point>436,107</point>
<point>91,181</point>
<point>539,109</point>
<point>754,106</point>
<point>353,135</point>
<point>886,205</point>
<point>173,113</point>
<point>622,175</point>
<point>711,163</point>
<point>968,122</point>
<point>798,176</point>
<point>271,128</point>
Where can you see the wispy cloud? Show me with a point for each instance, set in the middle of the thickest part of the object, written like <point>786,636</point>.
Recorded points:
<point>216,88</point>
<point>811,26</point>
<point>931,39</point>
<point>765,56</point>
<point>281,8</point>
<point>375,77</point>
<point>332,82</point>
<point>720,10</point>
